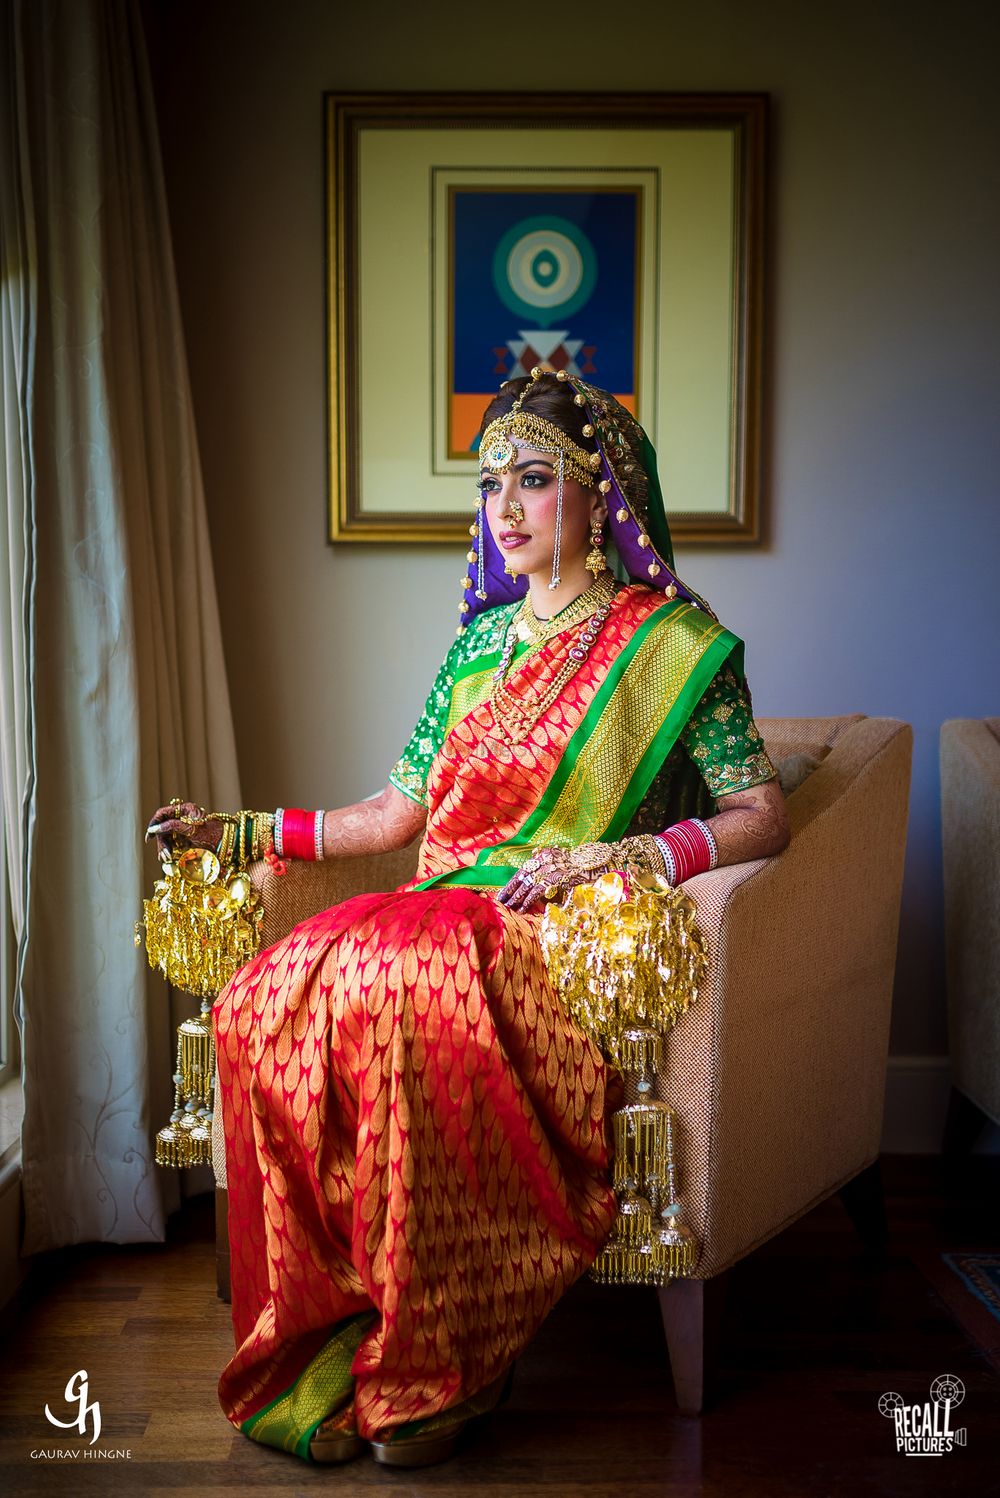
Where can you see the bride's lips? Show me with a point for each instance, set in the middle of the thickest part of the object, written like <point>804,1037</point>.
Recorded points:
<point>511,540</point>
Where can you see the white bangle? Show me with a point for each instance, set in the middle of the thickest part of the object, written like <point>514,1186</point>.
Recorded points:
<point>318,835</point>
<point>668,859</point>
<point>278,832</point>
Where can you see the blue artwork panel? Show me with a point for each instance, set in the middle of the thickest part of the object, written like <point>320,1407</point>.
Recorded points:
<point>540,277</point>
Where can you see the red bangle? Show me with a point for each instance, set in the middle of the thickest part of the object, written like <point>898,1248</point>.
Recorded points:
<point>692,850</point>
<point>297,834</point>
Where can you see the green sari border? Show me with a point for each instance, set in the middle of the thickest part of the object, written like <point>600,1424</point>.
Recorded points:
<point>712,659</point>
<point>492,876</point>
<point>307,1398</point>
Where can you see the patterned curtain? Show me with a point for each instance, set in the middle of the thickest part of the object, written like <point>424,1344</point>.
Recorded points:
<point>112,680</point>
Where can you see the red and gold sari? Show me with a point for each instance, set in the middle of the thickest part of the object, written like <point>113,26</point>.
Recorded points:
<point>413,1125</point>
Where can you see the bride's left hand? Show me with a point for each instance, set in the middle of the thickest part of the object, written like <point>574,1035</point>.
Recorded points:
<point>539,880</point>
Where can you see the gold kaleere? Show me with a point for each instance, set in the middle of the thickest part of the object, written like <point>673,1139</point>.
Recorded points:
<point>201,926</point>
<point>626,960</point>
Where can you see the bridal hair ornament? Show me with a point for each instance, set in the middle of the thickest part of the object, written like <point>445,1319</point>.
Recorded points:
<point>501,439</point>
<point>626,959</point>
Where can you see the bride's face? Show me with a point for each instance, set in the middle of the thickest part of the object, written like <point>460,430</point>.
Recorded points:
<point>531,486</point>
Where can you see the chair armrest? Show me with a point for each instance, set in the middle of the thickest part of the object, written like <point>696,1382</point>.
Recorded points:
<point>970,840</point>
<point>789,1036</point>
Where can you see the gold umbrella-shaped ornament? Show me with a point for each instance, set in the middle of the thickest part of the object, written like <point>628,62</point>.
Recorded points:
<point>626,959</point>
<point>201,926</point>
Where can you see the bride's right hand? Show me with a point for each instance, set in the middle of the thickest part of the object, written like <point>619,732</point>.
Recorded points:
<point>182,824</point>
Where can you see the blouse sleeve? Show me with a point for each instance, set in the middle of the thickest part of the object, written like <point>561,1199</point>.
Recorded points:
<point>723,740</point>
<point>409,773</point>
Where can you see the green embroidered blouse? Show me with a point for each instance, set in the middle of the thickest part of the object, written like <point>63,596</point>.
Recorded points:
<point>719,751</point>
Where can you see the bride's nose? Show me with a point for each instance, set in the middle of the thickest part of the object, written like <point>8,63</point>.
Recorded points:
<point>507,506</point>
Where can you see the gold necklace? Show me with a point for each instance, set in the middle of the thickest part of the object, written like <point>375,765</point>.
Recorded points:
<point>514,717</point>
<point>530,627</point>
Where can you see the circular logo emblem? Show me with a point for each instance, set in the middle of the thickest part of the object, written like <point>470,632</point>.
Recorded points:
<point>544,269</point>
<point>888,1403</point>
<point>948,1386</point>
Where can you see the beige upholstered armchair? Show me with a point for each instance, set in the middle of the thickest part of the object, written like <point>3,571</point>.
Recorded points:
<point>970,836</point>
<point>777,1073</point>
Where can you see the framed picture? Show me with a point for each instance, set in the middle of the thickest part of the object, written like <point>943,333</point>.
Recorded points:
<point>472,237</point>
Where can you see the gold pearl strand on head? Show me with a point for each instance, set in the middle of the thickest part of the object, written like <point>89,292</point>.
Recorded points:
<point>514,719</point>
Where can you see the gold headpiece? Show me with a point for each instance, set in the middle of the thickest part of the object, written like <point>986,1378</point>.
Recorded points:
<point>497,450</point>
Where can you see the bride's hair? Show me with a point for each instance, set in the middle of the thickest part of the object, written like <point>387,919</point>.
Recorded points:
<point>549,398</point>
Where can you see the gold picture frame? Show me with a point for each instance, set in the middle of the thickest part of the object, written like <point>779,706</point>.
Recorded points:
<point>407,277</point>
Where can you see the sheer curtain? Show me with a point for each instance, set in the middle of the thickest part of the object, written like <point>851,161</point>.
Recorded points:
<point>112,680</point>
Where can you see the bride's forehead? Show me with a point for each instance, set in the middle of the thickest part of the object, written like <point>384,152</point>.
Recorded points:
<point>528,454</point>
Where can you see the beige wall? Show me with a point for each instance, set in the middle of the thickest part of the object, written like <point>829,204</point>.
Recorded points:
<point>876,590</point>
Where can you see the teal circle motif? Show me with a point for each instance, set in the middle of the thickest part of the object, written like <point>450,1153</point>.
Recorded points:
<point>544,269</point>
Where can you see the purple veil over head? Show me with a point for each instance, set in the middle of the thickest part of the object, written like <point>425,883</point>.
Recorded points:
<point>637,522</point>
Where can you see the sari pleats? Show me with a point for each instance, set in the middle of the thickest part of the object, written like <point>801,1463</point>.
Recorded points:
<point>412,1123</point>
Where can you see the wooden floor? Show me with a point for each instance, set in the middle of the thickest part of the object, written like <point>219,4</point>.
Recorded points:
<point>811,1337</point>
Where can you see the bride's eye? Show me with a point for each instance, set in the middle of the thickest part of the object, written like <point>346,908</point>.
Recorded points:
<point>534,480</point>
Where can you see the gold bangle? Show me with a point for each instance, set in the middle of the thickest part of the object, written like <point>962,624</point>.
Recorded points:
<point>227,844</point>
<point>263,827</point>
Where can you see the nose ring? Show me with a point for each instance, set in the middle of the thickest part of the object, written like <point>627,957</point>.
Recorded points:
<point>516,511</point>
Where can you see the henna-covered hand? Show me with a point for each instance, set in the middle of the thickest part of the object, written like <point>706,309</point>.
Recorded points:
<point>182,824</point>
<point>389,820</point>
<point>751,824</point>
<point>543,870</point>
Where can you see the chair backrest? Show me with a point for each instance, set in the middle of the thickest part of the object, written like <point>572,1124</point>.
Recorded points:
<point>970,847</point>
<point>813,736</point>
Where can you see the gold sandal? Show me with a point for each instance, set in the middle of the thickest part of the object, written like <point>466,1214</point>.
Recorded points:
<point>337,1439</point>
<point>421,1443</point>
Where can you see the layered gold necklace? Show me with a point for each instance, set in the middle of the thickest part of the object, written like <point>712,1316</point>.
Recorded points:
<point>515,717</point>
<point>530,627</point>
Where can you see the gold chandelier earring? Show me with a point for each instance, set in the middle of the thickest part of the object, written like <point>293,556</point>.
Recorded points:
<point>596,561</point>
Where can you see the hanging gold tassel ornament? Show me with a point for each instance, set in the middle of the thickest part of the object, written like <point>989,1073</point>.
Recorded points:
<point>187,1138</point>
<point>626,959</point>
<point>201,926</point>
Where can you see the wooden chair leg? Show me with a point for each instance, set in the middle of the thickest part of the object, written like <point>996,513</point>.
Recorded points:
<point>864,1199</point>
<point>222,1288</point>
<point>963,1125</point>
<point>692,1317</point>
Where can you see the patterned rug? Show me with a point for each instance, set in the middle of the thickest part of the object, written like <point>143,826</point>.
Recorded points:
<point>969,1284</point>
<point>981,1274</point>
